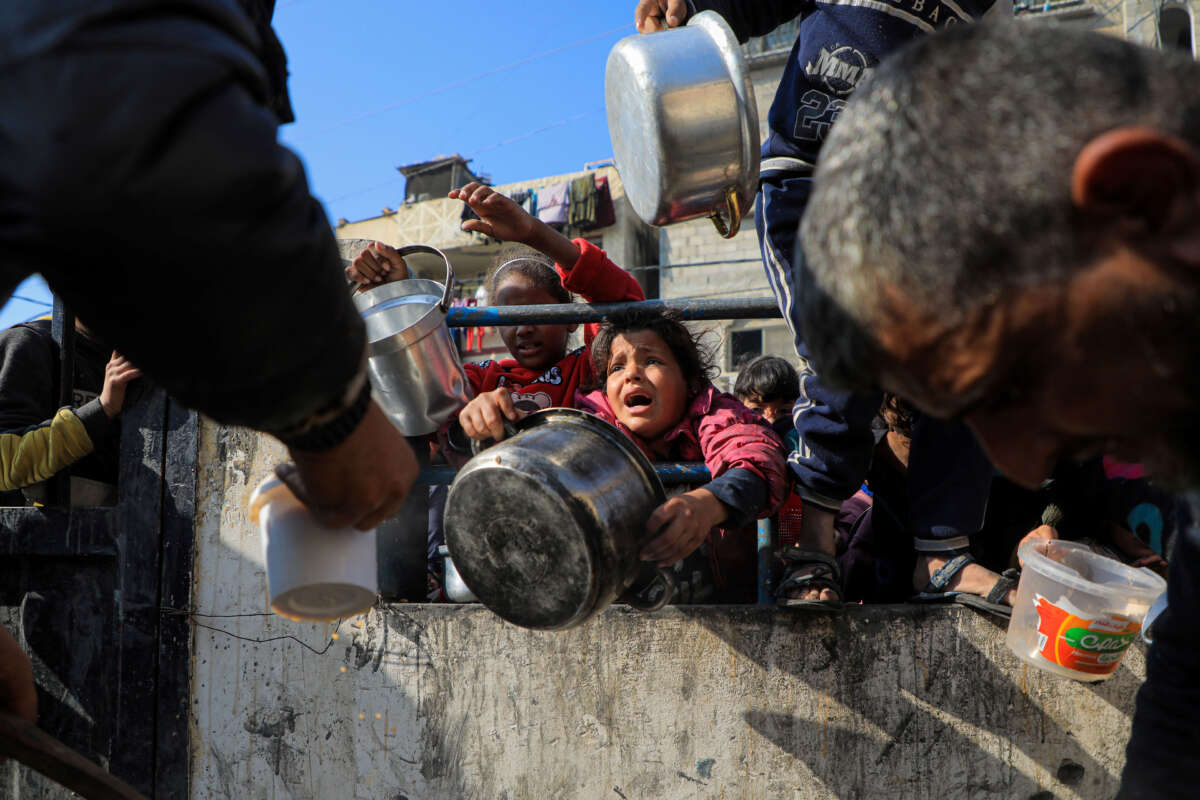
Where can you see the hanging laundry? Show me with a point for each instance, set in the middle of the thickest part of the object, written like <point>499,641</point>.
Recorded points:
<point>606,214</point>
<point>531,203</point>
<point>582,213</point>
<point>553,203</point>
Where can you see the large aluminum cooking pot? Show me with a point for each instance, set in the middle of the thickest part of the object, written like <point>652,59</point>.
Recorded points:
<point>545,527</point>
<point>413,365</point>
<point>684,123</point>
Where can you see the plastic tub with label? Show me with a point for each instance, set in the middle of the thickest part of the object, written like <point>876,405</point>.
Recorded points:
<point>1076,611</point>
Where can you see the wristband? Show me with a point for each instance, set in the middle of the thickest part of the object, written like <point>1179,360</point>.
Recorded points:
<point>324,434</point>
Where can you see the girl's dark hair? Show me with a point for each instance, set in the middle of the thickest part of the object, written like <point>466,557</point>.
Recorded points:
<point>767,379</point>
<point>537,268</point>
<point>695,359</point>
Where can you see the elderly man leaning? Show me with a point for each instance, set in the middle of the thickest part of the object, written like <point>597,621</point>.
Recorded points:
<point>1006,230</point>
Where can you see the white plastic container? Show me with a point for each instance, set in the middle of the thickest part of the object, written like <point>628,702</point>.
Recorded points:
<point>1076,611</point>
<point>314,573</point>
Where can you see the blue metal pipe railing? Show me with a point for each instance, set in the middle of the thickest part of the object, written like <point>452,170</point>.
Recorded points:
<point>565,313</point>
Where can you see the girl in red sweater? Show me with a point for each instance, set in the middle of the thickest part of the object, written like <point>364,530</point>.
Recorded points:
<point>541,373</point>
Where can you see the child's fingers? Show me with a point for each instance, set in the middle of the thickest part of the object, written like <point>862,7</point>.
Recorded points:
<point>393,262</point>
<point>659,526</point>
<point>480,226</point>
<point>365,266</point>
<point>505,402</point>
<point>492,420</point>
<point>481,194</point>
<point>464,192</point>
<point>666,548</point>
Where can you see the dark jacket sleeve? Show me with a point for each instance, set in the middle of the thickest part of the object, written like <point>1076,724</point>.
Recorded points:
<point>237,306</point>
<point>750,18</point>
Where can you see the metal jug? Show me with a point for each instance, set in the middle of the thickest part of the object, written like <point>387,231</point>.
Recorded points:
<point>413,365</point>
<point>684,123</point>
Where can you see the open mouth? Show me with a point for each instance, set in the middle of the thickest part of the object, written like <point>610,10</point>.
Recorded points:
<point>637,400</point>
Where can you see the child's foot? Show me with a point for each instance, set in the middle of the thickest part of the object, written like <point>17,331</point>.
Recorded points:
<point>811,576</point>
<point>972,578</point>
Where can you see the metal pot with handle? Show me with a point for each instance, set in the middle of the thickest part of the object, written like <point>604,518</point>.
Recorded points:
<point>684,123</point>
<point>546,526</point>
<point>413,365</point>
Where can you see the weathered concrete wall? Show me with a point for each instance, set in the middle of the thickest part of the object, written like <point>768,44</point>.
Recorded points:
<point>418,702</point>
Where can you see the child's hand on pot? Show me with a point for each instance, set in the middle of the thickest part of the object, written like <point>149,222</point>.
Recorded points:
<point>483,417</point>
<point>681,524</point>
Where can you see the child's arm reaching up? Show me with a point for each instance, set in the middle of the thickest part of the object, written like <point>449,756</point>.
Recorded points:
<point>501,218</point>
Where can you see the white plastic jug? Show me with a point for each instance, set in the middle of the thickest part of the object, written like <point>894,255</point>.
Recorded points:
<point>1076,611</point>
<point>314,573</point>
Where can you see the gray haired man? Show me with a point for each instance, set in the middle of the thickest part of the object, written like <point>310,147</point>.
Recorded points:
<point>1006,230</point>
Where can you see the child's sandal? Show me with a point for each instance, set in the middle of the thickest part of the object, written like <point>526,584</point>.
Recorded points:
<point>809,569</point>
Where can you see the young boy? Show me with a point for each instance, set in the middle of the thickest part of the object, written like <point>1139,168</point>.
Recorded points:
<point>770,386</point>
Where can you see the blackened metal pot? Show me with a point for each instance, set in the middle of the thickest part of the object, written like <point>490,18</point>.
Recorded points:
<point>546,526</point>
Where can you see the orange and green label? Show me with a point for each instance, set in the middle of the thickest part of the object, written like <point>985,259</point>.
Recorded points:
<point>1091,645</point>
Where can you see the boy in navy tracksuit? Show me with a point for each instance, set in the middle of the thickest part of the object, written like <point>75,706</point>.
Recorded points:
<point>840,42</point>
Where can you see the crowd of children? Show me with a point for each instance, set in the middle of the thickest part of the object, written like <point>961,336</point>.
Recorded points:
<point>650,375</point>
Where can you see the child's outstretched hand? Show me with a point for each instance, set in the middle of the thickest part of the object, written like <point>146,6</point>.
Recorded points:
<point>483,417</point>
<point>499,216</point>
<point>375,265</point>
<point>118,374</point>
<point>681,524</point>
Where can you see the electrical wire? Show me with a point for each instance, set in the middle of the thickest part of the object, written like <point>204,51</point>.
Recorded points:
<point>393,181</point>
<point>456,84</point>
<point>30,300</point>
<point>191,615</point>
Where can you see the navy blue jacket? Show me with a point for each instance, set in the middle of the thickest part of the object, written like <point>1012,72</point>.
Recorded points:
<point>840,41</point>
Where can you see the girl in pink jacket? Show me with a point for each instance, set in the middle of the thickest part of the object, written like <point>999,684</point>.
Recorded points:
<point>654,384</point>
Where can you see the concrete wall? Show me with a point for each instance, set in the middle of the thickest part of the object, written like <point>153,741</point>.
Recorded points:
<point>421,702</point>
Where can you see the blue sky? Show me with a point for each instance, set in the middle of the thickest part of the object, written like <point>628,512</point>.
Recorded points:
<point>518,87</point>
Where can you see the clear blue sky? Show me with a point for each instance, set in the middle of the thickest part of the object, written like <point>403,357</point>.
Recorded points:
<point>380,83</point>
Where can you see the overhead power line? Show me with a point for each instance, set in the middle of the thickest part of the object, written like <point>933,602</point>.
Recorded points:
<point>455,84</point>
<point>551,126</point>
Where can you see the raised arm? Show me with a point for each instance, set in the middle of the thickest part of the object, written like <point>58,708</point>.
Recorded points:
<point>747,19</point>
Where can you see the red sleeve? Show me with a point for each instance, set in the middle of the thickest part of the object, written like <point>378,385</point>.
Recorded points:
<point>596,279</point>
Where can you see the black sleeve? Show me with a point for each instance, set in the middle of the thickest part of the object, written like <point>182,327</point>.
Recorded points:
<point>750,18</point>
<point>28,384</point>
<point>236,303</point>
<point>743,493</point>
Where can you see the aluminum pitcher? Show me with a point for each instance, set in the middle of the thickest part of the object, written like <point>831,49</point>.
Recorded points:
<point>413,365</point>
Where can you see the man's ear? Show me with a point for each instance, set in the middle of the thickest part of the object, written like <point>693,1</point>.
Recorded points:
<point>1140,176</point>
